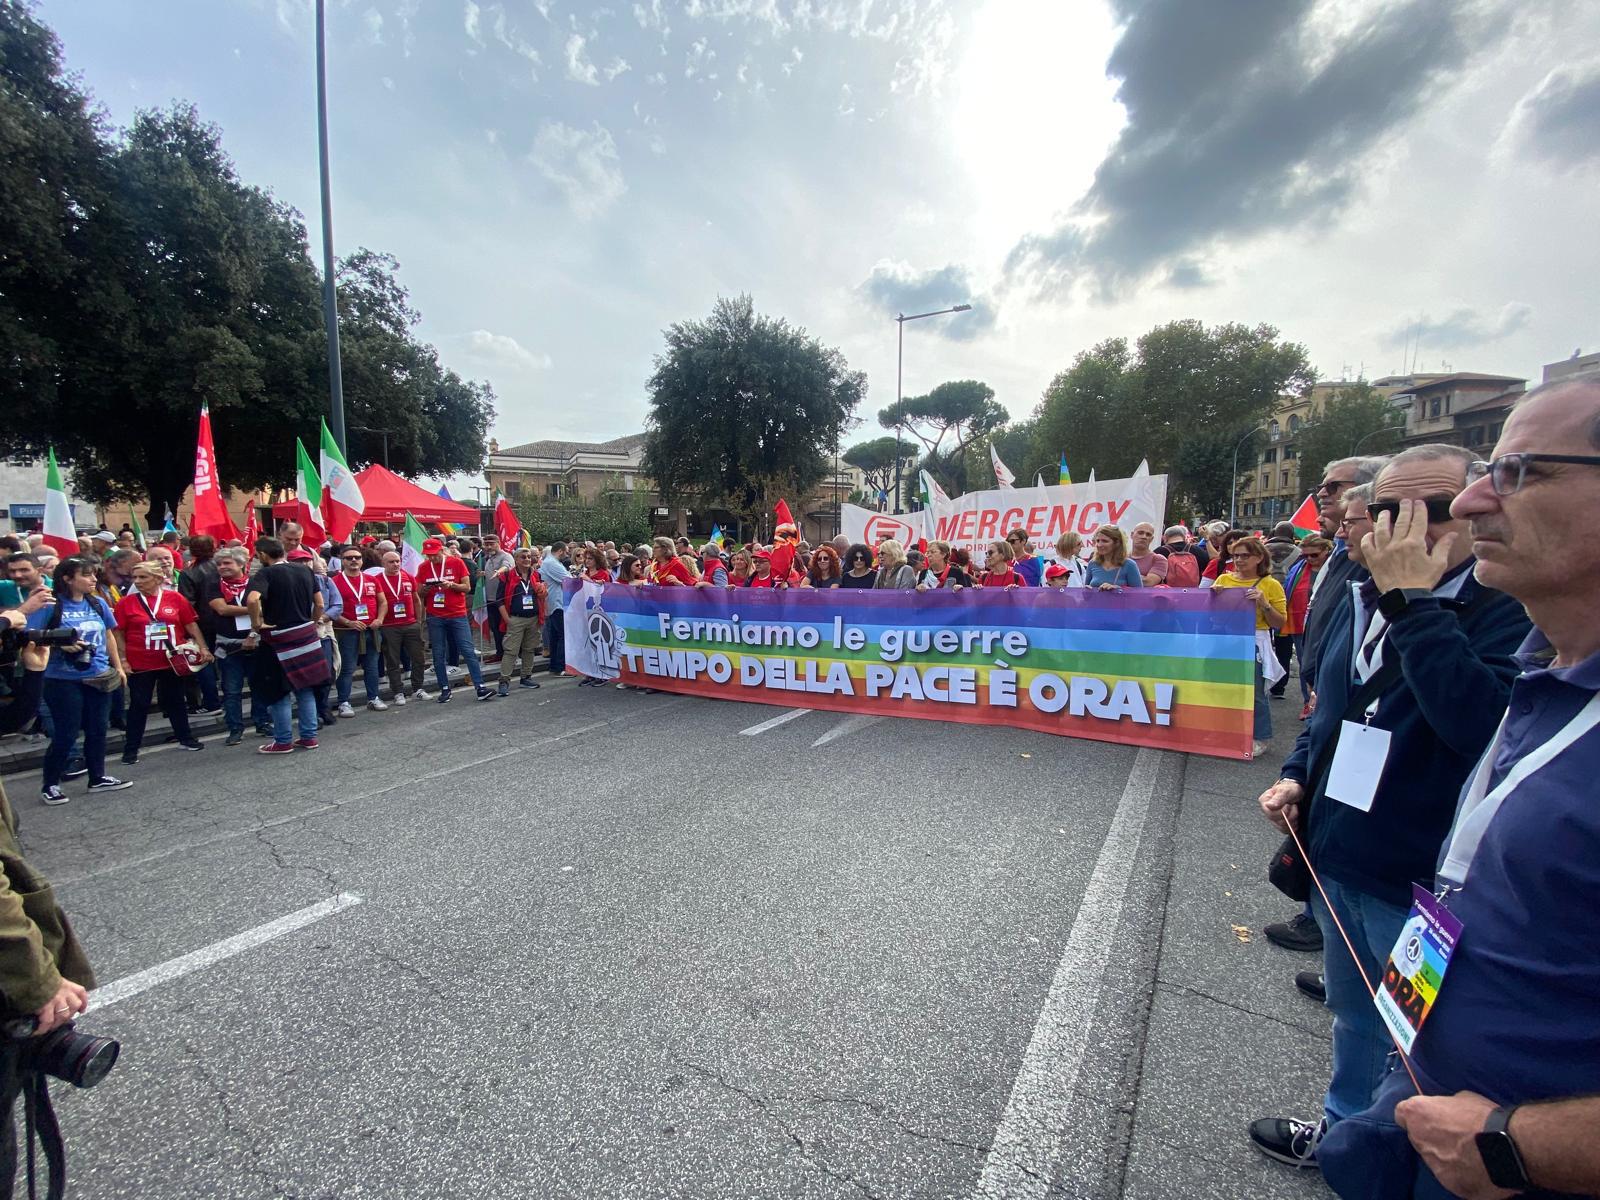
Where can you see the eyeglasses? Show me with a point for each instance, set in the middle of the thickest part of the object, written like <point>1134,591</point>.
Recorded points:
<point>1329,485</point>
<point>1507,473</point>
<point>1438,509</point>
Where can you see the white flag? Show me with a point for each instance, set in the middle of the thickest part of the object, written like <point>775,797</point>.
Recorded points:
<point>1142,471</point>
<point>931,491</point>
<point>593,641</point>
<point>1002,473</point>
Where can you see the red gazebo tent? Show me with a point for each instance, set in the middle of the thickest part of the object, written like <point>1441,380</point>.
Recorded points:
<point>389,498</point>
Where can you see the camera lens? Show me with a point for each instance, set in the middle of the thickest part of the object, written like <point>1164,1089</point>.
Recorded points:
<point>77,1058</point>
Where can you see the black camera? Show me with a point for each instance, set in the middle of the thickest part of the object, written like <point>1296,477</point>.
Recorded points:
<point>15,638</point>
<point>80,1059</point>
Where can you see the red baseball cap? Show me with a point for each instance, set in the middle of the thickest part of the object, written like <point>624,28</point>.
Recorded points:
<point>1055,571</point>
<point>300,554</point>
<point>433,546</point>
<point>369,540</point>
<point>763,554</point>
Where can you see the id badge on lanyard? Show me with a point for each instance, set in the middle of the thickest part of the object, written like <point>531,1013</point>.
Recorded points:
<point>1358,762</point>
<point>1416,968</point>
<point>158,633</point>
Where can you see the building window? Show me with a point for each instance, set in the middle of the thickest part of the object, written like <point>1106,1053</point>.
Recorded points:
<point>1285,482</point>
<point>1266,480</point>
<point>1434,406</point>
<point>1494,431</point>
<point>1294,425</point>
<point>1270,455</point>
<point>1250,509</point>
<point>1448,396</point>
<point>1274,430</point>
<point>512,489</point>
<point>552,490</point>
<point>1289,452</point>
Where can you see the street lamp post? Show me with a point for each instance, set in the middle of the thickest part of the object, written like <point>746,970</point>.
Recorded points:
<point>899,380</point>
<point>1364,438</point>
<point>330,300</point>
<point>1233,500</point>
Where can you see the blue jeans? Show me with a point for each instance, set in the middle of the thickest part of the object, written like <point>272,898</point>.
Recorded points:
<point>555,640</point>
<point>1300,657</point>
<point>1263,725</point>
<point>303,703</point>
<point>1361,1042</point>
<point>206,677</point>
<point>235,669</point>
<point>353,644</point>
<point>453,635</point>
<point>76,707</point>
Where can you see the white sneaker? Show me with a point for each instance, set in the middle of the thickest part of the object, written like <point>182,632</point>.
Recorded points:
<point>345,710</point>
<point>422,694</point>
<point>1257,749</point>
<point>378,705</point>
<point>399,700</point>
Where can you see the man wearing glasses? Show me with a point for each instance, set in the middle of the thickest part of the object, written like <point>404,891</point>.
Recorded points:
<point>1506,1060</point>
<point>1414,671</point>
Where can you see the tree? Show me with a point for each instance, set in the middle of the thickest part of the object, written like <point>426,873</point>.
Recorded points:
<point>876,460</point>
<point>745,410</point>
<point>962,409</point>
<point>616,515</point>
<point>1183,398</point>
<point>1356,418</point>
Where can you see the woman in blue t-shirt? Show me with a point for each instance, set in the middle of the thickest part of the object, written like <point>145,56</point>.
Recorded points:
<point>1110,568</point>
<point>79,678</point>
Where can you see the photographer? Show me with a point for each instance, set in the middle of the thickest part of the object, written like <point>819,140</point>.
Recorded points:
<point>79,679</point>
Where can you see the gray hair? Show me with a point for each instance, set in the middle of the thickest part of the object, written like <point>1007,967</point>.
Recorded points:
<point>1218,528</point>
<point>117,558</point>
<point>1361,492</point>
<point>1175,529</point>
<point>1434,452</point>
<point>1364,469</point>
<point>236,554</point>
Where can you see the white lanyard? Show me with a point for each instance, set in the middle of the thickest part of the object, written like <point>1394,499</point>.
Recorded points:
<point>151,612</point>
<point>394,592</point>
<point>354,590</point>
<point>1479,805</point>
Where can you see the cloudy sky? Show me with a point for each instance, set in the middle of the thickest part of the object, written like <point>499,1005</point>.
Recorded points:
<point>1384,180</point>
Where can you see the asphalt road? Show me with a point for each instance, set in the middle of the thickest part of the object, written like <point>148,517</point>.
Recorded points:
<point>589,942</point>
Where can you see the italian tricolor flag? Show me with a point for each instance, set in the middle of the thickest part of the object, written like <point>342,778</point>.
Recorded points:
<point>411,546</point>
<point>1305,517</point>
<point>308,495</point>
<point>59,533</point>
<point>342,501</point>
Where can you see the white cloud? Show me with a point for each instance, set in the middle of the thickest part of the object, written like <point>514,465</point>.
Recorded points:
<point>651,17</point>
<point>505,351</point>
<point>372,22</point>
<point>469,22</point>
<point>698,59</point>
<point>403,14</point>
<point>582,164</point>
<point>656,78</point>
<point>388,84</point>
<point>616,67</point>
<point>579,68</point>
<point>847,103</point>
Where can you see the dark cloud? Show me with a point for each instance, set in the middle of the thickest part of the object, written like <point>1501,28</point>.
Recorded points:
<point>895,288</point>
<point>1464,327</point>
<point>1186,273</point>
<point>1559,121</point>
<point>1243,117</point>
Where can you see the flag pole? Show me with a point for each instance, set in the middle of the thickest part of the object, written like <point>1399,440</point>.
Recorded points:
<point>330,301</point>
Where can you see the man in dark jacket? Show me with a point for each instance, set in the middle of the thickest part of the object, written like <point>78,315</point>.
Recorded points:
<point>1377,769</point>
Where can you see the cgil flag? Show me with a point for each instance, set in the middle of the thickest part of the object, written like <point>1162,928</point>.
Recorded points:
<point>252,530</point>
<point>1002,473</point>
<point>59,532</point>
<point>211,515</point>
<point>1066,471</point>
<point>1305,517</point>
<point>506,524</point>
<point>342,501</point>
<point>308,496</point>
<point>411,539</point>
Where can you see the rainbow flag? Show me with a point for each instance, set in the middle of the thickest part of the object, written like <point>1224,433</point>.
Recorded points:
<point>1174,670</point>
<point>445,526</point>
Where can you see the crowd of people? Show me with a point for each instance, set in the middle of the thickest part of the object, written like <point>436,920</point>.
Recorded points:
<point>1449,674</point>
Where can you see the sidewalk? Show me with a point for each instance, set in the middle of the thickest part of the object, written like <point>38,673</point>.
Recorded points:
<point>18,753</point>
<point>1229,1037</point>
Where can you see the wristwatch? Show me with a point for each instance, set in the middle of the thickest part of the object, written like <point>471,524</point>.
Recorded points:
<point>1499,1152</point>
<point>1396,600</point>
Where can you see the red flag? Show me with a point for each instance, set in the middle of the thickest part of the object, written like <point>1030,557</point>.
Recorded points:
<point>252,530</point>
<point>210,509</point>
<point>784,516</point>
<point>506,524</point>
<point>1305,517</point>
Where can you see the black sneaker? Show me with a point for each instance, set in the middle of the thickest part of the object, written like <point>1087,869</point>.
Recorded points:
<point>129,757</point>
<point>503,690</point>
<point>192,744</point>
<point>54,796</point>
<point>1287,1140</point>
<point>444,696</point>
<point>1300,933</point>
<point>234,739</point>
<point>109,783</point>
<point>1310,982</point>
<point>485,693</point>
<point>529,683</point>
<point>76,769</point>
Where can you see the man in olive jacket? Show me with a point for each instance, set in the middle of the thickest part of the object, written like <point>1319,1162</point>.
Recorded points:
<point>43,970</point>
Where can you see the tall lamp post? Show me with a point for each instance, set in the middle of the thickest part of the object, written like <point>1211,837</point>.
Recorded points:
<point>1368,436</point>
<point>330,301</point>
<point>899,380</point>
<point>1233,500</point>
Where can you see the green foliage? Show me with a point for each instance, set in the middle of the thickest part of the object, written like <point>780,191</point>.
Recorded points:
<point>745,410</point>
<point>962,410</point>
<point>151,280</point>
<point>1356,419</point>
<point>616,515</point>
<point>876,460</point>
<point>1183,397</point>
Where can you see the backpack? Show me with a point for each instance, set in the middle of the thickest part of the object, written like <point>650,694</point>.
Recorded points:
<point>1183,570</point>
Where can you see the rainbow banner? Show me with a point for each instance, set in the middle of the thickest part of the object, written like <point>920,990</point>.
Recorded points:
<point>1174,669</point>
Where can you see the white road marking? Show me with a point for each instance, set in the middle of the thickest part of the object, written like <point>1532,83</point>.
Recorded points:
<point>197,960</point>
<point>776,721</point>
<point>1024,1158</point>
<point>850,724</point>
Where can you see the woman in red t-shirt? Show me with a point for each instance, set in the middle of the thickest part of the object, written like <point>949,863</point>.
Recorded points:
<point>1000,573</point>
<point>595,568</point>
<point>665,566</point>
<point>1222,560</point>
<point>151,620</point>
